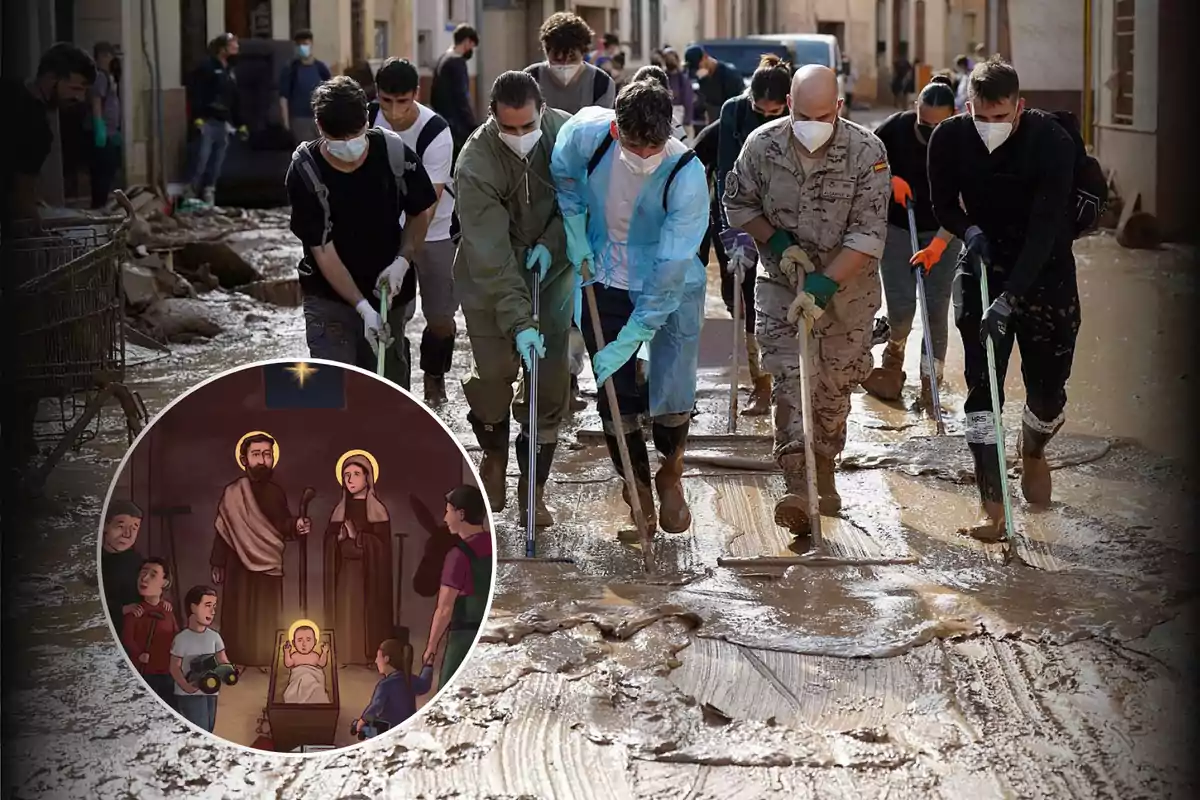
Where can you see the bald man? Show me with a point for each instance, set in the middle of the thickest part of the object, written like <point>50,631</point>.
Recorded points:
<point>812,188</point>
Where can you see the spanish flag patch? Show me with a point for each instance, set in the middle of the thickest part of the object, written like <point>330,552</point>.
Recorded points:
<point>879,166</point>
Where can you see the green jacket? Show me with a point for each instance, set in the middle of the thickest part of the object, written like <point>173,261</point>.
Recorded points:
<point>505,207</point>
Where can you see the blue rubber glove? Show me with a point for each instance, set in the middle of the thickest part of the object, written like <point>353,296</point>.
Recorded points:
<point>617,353</point>
<point>99,132</point>
<point>539,256</point>
<point>579,249</point>
<point>530,341</point>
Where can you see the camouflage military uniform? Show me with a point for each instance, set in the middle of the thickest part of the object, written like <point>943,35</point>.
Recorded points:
<point>841,202</point>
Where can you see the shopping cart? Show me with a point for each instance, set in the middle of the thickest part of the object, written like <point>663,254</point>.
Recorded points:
<point>70,334</point>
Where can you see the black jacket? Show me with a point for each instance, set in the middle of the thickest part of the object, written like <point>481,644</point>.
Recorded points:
<point>215,93</point>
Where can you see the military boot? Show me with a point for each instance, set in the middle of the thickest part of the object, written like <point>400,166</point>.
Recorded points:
<point>887,380</point>
<point>673,513</point>
<point>635,441</point>
<point>493,469</point>
<point>542,517</point>
<point>760,395</point>
<point>829,501</point>
<point>1035,470</point>
<point>991,524</point>
<point>791,511</point>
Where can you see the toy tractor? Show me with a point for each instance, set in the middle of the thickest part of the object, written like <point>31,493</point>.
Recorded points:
<point>207,674</point>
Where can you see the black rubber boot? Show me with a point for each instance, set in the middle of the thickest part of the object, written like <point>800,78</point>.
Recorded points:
<point>1036,484</point>
<point>494,467</point>
<point>437,352</point>
<point>636,442</point>
<point>673,513</point>
<point>990,527</point>
<point>545,457</point>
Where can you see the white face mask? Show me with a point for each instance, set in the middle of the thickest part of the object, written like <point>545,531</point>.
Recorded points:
<point>701,73</point>
<point>349,150</point>
<point>813,134</point>
<point>638,165</point>
<point>522,145</point>
<point>565,72</point>
<point>993,134</point>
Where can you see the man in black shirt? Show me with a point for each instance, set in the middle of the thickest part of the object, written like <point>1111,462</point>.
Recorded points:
<point>718,81</point>
<point>354,242</point>
<point>215,114</point>
<point>450,91</point>
<point>1014,171</point>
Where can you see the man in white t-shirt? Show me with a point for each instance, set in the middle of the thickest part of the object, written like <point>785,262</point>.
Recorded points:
<point>192,645</point>
<point>429,136</point>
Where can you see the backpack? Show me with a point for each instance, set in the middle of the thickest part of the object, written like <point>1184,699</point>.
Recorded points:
<point>1091,186</point>
<point>322,72</point>
<point>600,81</point>
<point>305,162</point>
<point>606,143</point>
<point>433,128</point>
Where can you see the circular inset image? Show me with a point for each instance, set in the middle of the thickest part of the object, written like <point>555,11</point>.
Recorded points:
<point>296,556</point>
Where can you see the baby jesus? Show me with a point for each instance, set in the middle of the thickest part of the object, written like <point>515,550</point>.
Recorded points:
<point>306,665</point>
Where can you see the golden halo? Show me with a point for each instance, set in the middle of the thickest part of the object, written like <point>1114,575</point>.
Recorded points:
<point>305,623</point>
<point>374,464</point>
<point>237,451</point>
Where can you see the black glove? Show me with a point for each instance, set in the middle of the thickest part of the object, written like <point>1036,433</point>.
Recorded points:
<point>995,320</point>
<point>977,244</point>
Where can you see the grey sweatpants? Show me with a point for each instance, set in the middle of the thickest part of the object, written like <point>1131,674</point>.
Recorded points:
<point>900,287</point>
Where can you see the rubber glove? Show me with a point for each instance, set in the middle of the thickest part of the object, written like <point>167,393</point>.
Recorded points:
<point>374,329</point>
<point>821,287</point>
<point>977,244</point>
<point>243,133</point>
<point>579,249</point>
<point>927,257</point>
<point>393,276</point>
<point>617,353</point>
<point>99,132</point>
<point>795,262</point>
<point>806,308</point>
<point>529,342</point>
<point>538,256</point>
<point>995,319</point>
<point>901,191</point>
<point>733,238</point>
<point>198,122</point>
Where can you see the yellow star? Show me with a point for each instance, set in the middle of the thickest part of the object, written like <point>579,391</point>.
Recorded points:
<point>301,372</point>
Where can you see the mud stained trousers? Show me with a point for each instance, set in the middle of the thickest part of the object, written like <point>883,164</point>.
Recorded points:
<point>335,332</point>
<point>495,364</point>
<point>1045,326</point>
<point>435,280</point>
<point>842,358</point>
<point>900,288</point>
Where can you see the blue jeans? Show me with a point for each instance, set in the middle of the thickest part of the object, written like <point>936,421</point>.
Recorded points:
<point>199,709</point>
<point>214,142</point>
<point>335,332</point>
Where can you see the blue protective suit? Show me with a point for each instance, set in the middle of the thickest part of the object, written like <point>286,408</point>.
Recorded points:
<point>667,280</point>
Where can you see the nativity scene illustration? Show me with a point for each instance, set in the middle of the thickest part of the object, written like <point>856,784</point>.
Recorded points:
<point>285,624</point>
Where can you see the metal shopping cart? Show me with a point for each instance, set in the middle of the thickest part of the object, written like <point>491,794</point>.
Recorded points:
<point>70,336</point>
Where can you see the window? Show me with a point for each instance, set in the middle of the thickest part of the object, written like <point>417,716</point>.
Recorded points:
<point>635,25</point>
<point>381,39</point>
<point>357,31</point>
<point>655,23</point>
<point>299,15</point>
<point>970,27</point>
<point>1122,79</point>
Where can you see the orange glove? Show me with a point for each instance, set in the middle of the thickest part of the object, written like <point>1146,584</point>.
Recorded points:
<point>901,191</point>
<point>925,259</point>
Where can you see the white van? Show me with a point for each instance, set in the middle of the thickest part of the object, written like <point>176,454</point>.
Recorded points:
<point>810,48</point>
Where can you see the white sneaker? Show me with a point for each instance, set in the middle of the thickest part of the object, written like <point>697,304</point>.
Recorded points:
<point>210,195</point>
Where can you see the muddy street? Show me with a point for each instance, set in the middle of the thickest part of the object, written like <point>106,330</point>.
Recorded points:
<point>955,676</point>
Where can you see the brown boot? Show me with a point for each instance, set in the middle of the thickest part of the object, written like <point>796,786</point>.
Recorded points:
<point>760,397</point>
<point>493,470</point>
<point>673,513</point>
<point>791,511</point>
<point>542,518</point>
<point>887,380</point>
<point>435,390</point>
<point>990,526</point>
<point>829,501</point>
<point>640,459</point>
<point>1036,484</point>
<point>647,501</point>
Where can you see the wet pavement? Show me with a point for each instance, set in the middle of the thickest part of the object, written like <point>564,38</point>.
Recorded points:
<point>957,676</point>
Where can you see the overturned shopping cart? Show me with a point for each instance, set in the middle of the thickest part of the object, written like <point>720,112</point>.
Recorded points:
<point>68,357</point>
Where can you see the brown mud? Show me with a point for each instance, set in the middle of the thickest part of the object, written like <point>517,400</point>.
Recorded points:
<point>957,676</point>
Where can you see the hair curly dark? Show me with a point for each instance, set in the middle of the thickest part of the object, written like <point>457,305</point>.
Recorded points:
<point>564,33</point>
<point>515,90</point>
<point>772,80</point>
<point>397,76</point>
<point>644,114</point>
<point>650,72</point>
<point>64,59</point>
<point>340,107</point>
<point>465,33</point>
<point>993,80</point>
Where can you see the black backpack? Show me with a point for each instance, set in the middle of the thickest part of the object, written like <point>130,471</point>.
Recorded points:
<point>606,143</point>
<point>600,80</point>
<point>433,128</point>
<point>1091,185</point>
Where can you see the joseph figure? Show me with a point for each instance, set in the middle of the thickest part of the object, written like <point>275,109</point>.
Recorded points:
<point>253,526</point>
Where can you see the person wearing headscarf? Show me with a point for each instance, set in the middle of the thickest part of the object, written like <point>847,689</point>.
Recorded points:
<point>358,566</point>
